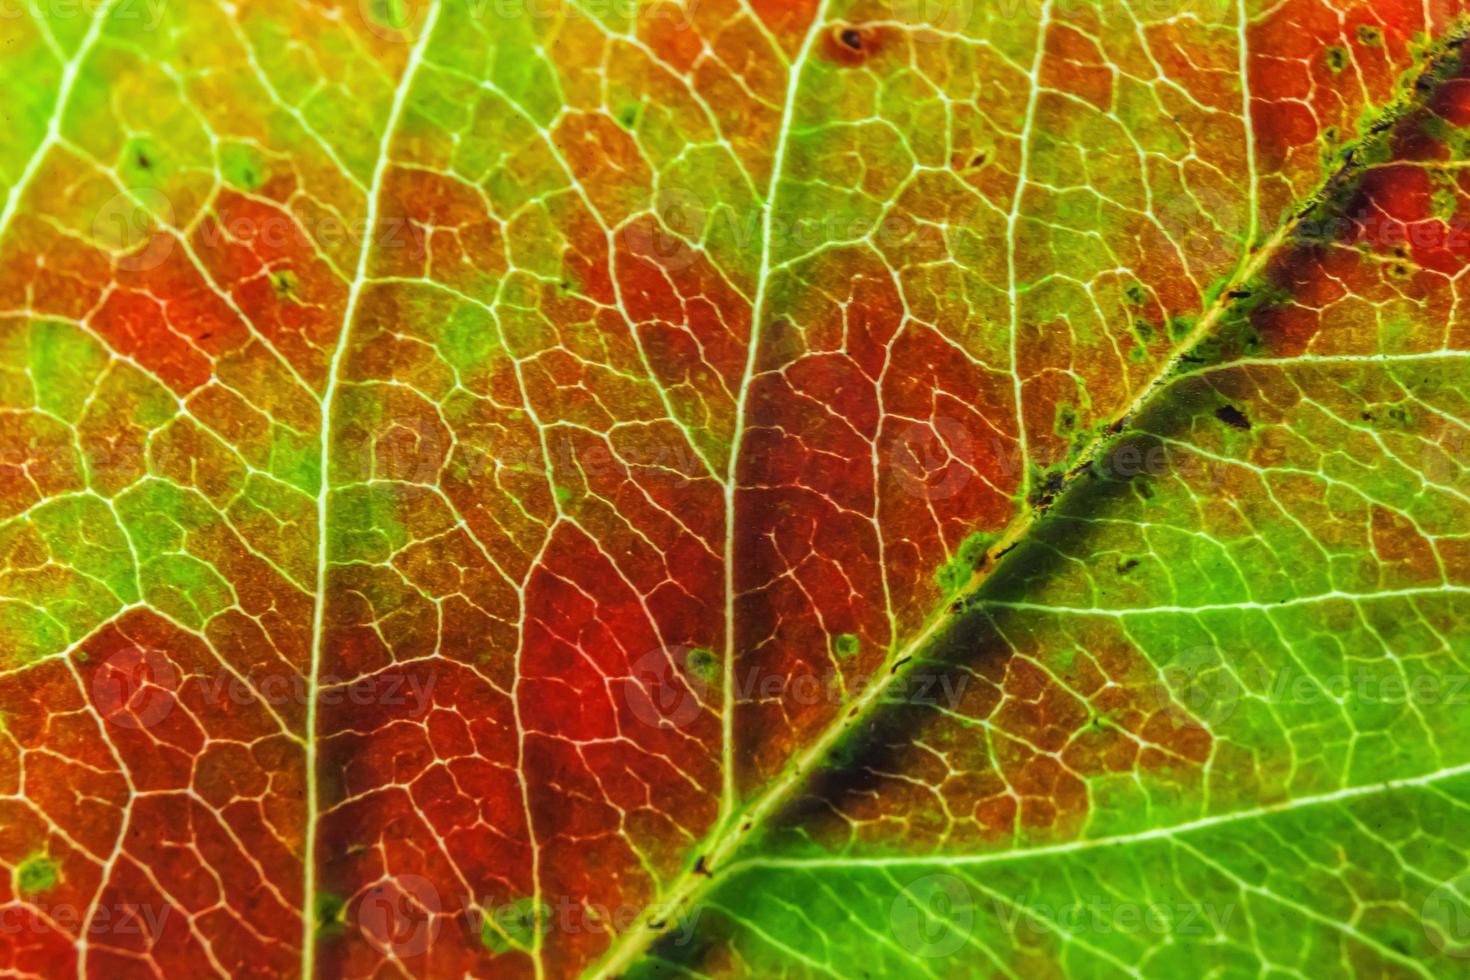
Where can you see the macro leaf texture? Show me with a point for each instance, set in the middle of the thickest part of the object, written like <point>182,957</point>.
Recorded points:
<point>722,488</point>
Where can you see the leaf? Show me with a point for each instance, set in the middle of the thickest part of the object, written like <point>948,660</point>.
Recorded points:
<point>489,486</point>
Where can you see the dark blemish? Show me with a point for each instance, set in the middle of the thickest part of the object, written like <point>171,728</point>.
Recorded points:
<point>657,926</point>
<point>1124,567</point>
<point>1239,294</point>
<point>899,663</point>
<point>699,867</point>
<point>1066,419</point>
<point>1370,36</point>
<point>284,283</point>
<point>850,45</point>
<point>978,161</point>
<point>1048,491</point>
<point>144,162</point>
<point>1233,417</point>
<point>1336,59</point>
<point>628,118</point>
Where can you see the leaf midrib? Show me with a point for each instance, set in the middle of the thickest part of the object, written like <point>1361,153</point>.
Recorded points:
<point>318,624</point>
<point>716,857</point>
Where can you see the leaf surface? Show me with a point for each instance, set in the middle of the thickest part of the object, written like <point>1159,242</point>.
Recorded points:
<point>479,480</point>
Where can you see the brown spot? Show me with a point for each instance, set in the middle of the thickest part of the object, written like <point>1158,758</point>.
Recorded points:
<point>850,45</point>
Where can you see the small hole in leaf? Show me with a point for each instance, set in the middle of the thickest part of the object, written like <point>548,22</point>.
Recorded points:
<point>1233,417</point>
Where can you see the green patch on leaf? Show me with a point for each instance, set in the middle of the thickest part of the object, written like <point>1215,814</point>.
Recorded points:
<point>241,166</point>
<point>629,115</point>
<point>284,283</point>
<point>330,913</point>
<point>702,663</point>
<point>512,926</point>
<point>64,365</point>
<point>468,339</point>
<point>845,644</point>
<point>144,164</point>
<point>955,573</point>
<point>1445,200</point>
<point>1065,421</point>
<point>37,873</point>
